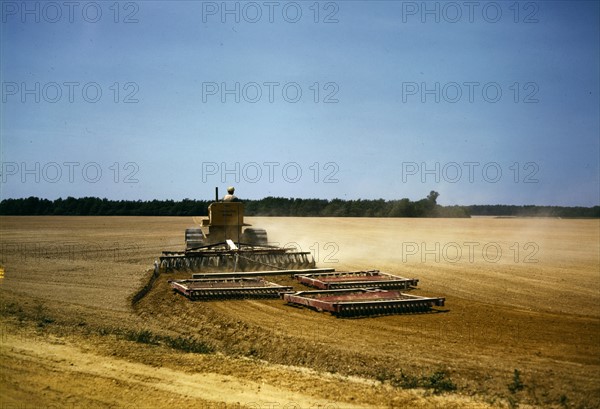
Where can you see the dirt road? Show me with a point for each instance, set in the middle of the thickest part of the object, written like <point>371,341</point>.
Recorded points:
<point>86,379</point>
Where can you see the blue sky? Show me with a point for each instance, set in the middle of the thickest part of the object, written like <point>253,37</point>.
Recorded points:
<point>493,104</point>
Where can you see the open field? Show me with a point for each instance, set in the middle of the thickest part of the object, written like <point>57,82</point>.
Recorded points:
<point>521,294</point>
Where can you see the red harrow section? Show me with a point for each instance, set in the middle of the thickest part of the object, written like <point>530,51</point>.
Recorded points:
<point>343,294</point>
<point>356,279</point>
<point>228,288</point>
<point>363,302</point>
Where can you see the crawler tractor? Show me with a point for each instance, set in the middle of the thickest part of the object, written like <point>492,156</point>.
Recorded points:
<point>225,242</point>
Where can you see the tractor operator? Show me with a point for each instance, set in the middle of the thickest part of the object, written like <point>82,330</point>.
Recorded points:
<point>230,197</point>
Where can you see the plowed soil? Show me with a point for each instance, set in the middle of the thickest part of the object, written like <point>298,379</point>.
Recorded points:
<point>521,325</point>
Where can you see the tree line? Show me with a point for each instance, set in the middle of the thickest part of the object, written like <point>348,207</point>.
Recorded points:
<point>535,211</point>
<point>279,206</point>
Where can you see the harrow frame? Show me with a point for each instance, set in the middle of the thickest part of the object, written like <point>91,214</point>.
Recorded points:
<point>261,273</point>
<point>238,287</point>
<point>355,279</point>
<point>363,301</point>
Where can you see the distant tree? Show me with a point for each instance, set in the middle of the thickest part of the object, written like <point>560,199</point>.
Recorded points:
<point>432,196</point>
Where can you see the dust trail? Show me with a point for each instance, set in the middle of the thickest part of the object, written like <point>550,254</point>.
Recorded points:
<point>511,261</point>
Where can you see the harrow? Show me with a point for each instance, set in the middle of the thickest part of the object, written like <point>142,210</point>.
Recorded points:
<point>228,288</point>
<point>355,279</point>
<point>242,257</point>
<point>362,302</point>
<point>230,260</point>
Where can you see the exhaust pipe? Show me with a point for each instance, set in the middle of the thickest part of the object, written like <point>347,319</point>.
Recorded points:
<point>216,193</point>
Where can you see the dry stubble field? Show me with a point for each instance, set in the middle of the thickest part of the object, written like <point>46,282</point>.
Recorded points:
<point>520,294</point>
